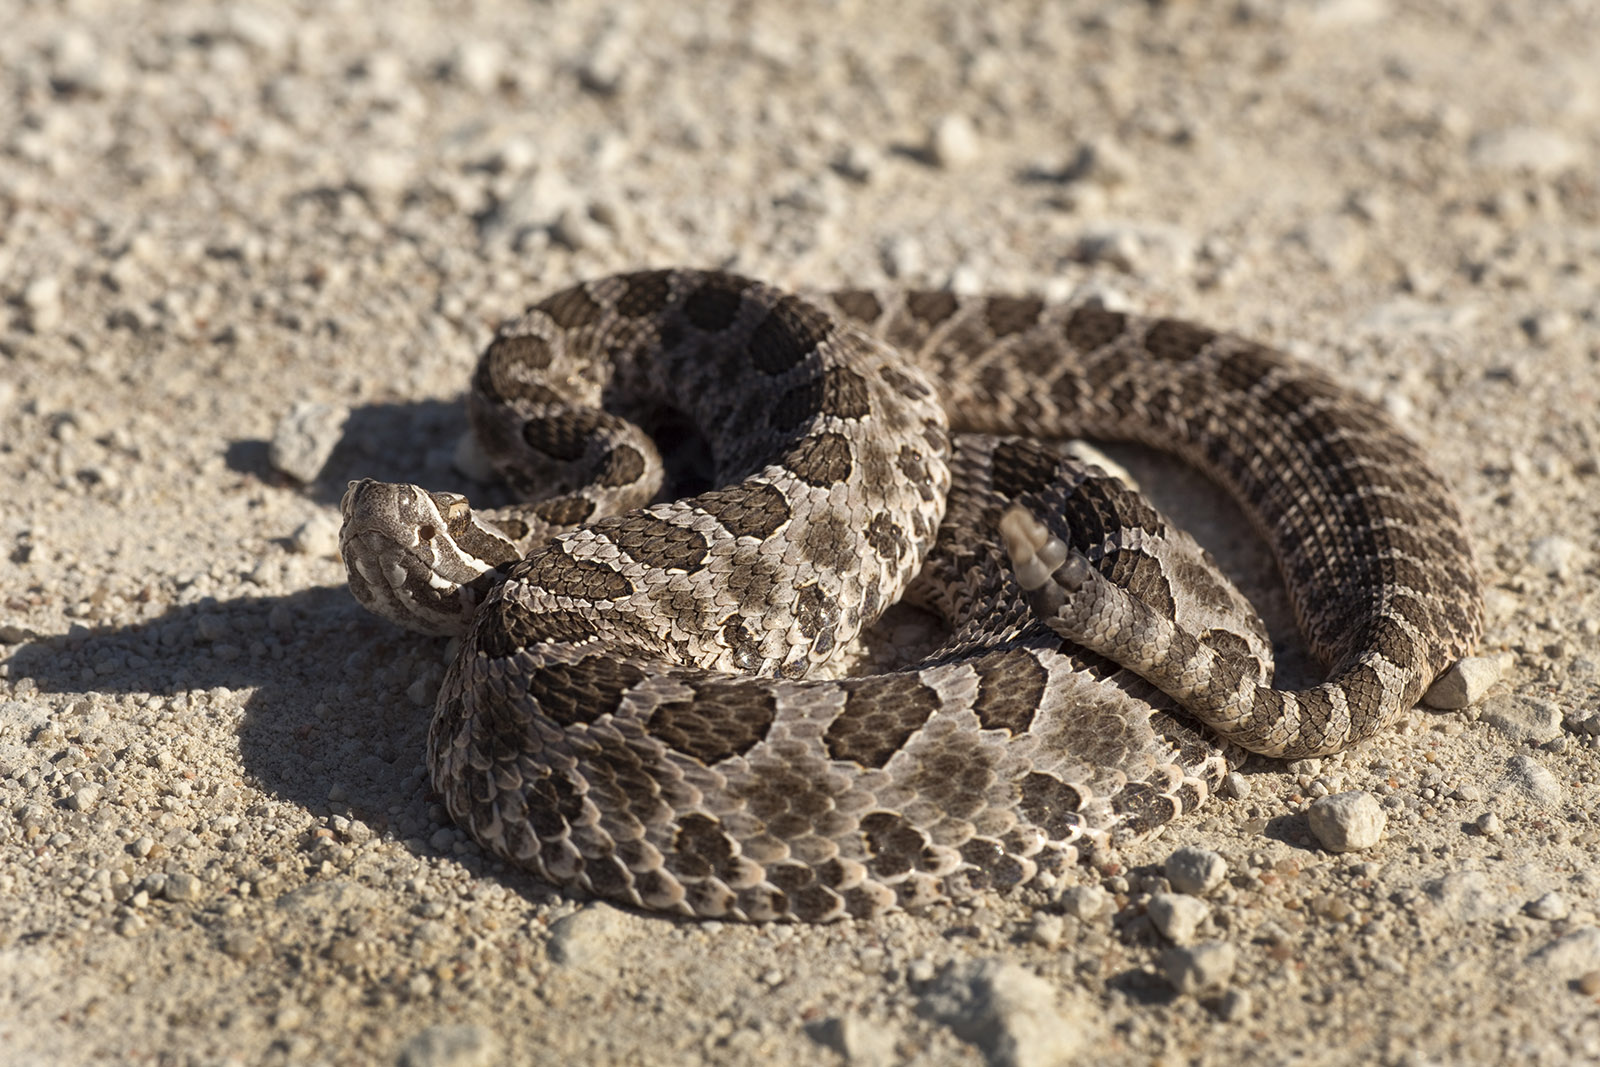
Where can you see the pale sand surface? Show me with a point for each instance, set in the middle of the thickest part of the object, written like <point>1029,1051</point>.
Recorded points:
<point>216,840</point>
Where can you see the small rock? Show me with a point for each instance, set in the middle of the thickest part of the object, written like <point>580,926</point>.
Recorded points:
<point>452,1045</point>
<point>1548,327</point>
<point>588,939</point>
<point>1047,930</point>
<point>1236,786</point>
<point>1522,718</point>
<point>1199,968</point>
<point>181,888</point>
<point>1101,162</point>
<point>1011,1015</point>
<point>1178,917</point>
<point>858,1041</point>
<point>305,438</point>
<point>605,70</point>
<point>858,162</point>
<point>1085,902</point>
<point>318,536</point>
<point>1583,721</point>
<point>84,799</point>
<point>1464,684</point>
<point>1196,871</point>
<point>577,229</point>
<point>1553,555</point>
<point>953,142</point>
<point>1347,822</point>
<point>1525,149</point>
<point>1550,907</point>
<point>1570,956</point>
<point>1466,897</point>
<point>1527,776</point>
<point>42,299</point>
<point>1489,825</point>
<point>477,65</point>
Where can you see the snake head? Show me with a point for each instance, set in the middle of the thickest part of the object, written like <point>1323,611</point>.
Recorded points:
<point>419,559</point>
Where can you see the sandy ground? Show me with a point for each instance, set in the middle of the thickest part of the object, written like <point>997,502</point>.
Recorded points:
<point>216,839</point>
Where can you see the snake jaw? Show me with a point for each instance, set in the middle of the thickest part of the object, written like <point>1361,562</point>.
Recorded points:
<point>400,546</point>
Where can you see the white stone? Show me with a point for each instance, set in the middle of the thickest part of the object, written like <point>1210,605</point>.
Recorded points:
<point>1347,822</point>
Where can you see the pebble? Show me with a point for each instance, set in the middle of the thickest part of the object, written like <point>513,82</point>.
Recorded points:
<point>42,300</point>
<point>1085,902</point>
<point>1199,968</point>
<point>452,1045</point>
<point>1177,916</point>
<point>1523,719</point>
<point>1195,870</point>
<point>1011,1015</point>
<point>477,65</point>
<point>1236,786</point>
<point>1525,149</point>
<point>84,799</point>
<point>1551,907</point>
<point>1570,956</point>
<point>1489,825</point>
<point>577,229</point>
<point>1466,897</point>
<point>1347,822</point>
<point>862,1043</point>
<point>318,536</point>
<point>1464,684</point>
<point>304,439</point>
<point>181,888</point>
<point>1553,555</point>
<point>1047,930</point>
<point>1529,777</point>
<point>953,142</point>
<point>588,939</point>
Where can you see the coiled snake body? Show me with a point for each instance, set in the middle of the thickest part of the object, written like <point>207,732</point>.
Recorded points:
<point>634,711</point>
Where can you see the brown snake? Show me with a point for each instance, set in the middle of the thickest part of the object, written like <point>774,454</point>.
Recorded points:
<point>635,710</point>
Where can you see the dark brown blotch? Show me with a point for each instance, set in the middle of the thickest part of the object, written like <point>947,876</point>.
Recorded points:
<point>1011,687</point>
<point>1007,315</point>
<point>931,307</point>
<point>572,308</point>
<point>581,692</point>
<point>858,304</point>
<point>1089,328</point>
<point>623,465</point>
<point>564,510</point>
<point>644,294</point>
<point>820,460</point>
<point>791,331</point>
<point>517,628</point>
<point>1050,804</point>
<point>1176,341</point>
<point>714,304</point>
<point>1019,467</point>
<point>652,541</point>
<point>558,573</point>
<point>753,509</point>
<point>895,844</point>
<point>886,538</point>
<point>880,714</point>
<point>723,719</point>
<point>563,435</point>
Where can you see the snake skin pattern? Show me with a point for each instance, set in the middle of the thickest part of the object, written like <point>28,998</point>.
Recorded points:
<point>641,707</point>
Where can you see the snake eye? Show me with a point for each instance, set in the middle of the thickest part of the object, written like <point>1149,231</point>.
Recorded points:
<point>427,532</point>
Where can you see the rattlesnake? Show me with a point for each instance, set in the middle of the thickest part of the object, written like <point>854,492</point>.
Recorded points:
<point>634,711</point>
